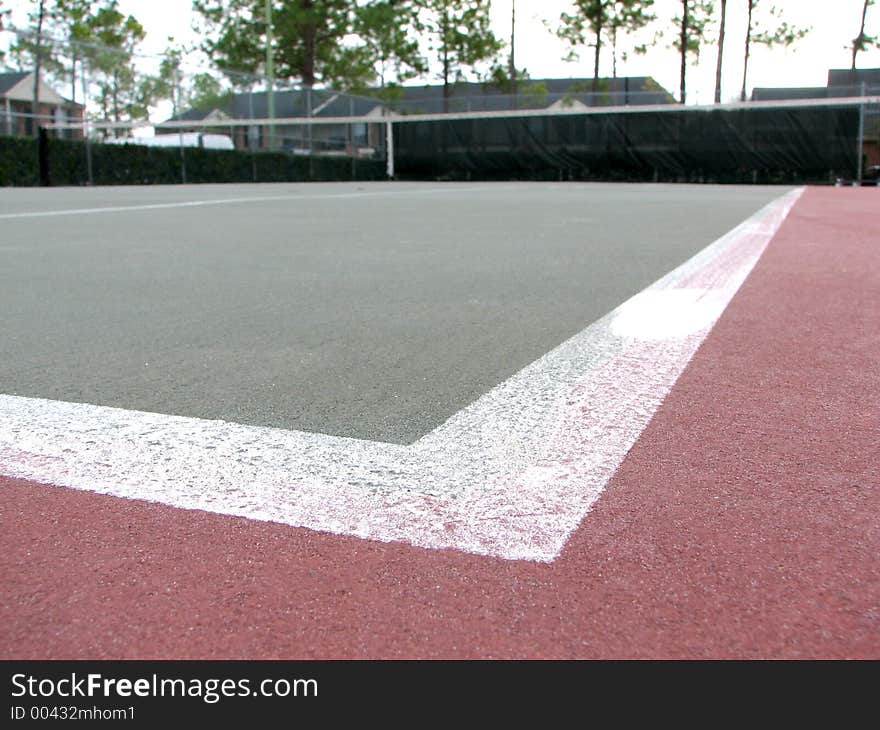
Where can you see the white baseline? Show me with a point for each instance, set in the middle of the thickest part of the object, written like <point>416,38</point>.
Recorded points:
<point>511,476</point>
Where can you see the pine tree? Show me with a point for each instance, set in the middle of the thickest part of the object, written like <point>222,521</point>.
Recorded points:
<point>459,34</point>
<point>863,41</point>
<point>591,21</point>
<point>778,33</point>
<point>693,30</point>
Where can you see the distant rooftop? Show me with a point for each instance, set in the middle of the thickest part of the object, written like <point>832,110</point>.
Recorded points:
<point>428,98</point>
<point>841,82</point>
<point>11,78</point>
<point>288,103</point>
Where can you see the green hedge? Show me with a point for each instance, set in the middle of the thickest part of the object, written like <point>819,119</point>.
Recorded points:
<point>140,165</point>
<point>19,161</point>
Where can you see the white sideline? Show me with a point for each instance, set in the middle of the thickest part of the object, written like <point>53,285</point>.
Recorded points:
<point>293,198</point>
<point>512,475</point>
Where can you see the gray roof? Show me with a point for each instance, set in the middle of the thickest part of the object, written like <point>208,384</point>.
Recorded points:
<point>12,78</point>
<point>554,86</point>
<point>8,80</point>
<point>841,82</point>
<point>787,93</point>
<point>469,96</point>
<point>845,77</point>
<point>429,98</point>
<point>288,103</point>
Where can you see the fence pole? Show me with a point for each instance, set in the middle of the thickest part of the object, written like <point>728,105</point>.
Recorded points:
<point>270,76</point>
<point>43,151</point>
<point>352,142</point>
<point>182,158</point>
<point>389,149</point>
<point>87,137</point>
<point>861,148</point>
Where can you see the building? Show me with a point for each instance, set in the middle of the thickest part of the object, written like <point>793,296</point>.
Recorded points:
<point>360,137</point>
<point>547,94</point>
<point>365,133</point>
<point>16,107</point>
<point>841,83</point>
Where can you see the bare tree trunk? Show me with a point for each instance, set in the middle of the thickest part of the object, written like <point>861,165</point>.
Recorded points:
<point>742,95</point>
<point>599,29</point>
<point>446,90</point>
<point>73,63</point>
<point>859,39</point>
<point>115,92</point>
<point>308,70</point>
<point>720,51</point>
<point>684,49</point>
<point>512,50</point>
<point>38,52</point>
<point>614,51</point>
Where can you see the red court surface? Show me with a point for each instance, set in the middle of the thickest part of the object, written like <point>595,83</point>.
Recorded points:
<point>745,521</point>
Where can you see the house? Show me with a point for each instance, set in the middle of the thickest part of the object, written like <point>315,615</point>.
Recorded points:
<point>16,107</point>
<point>360,137</point>
<point>365,133</point>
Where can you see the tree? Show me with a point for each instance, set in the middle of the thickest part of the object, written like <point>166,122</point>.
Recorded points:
<point>64,32</point>
<point>693,30</point>
<point>779,33</point>
<point>72,17</point>
<point>721,30</point>
<point>307,38</point>
<point>863,41</point>
<point>123,93</point>
<point>594,19</point>
<point>4,14</point>
<point>509,78</point>
<point>459,34</point>
<point>168,83</point>
<point>206,93</point>
<point>628,17</point>
<point>41,14</point>
<point>389,45</point>
<point>589,18</point>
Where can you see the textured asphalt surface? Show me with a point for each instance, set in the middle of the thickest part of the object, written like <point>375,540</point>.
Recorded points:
<point>366,310</point>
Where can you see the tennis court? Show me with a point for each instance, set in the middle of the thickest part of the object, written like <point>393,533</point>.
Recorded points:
<point>653,477</point>
<point>372,310</point>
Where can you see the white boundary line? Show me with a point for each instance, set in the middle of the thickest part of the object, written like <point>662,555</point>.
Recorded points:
<point>294,198</point>
<point>511,475</point>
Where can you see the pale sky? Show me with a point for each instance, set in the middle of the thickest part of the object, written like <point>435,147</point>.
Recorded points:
<point>540,52</point>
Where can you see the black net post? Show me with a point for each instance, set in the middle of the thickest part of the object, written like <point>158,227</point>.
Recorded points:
<point>43,147</point>
<point>182,159</point>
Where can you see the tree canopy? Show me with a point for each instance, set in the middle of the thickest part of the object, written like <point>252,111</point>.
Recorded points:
<point>595,22</point>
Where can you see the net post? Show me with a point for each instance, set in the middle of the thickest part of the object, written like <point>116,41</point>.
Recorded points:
<point>182,158</point>
<point>389,149</point>
<point>43,151</point>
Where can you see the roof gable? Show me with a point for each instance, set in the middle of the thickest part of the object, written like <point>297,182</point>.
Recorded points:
<point>12,79</point>
<point>20,87</point>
